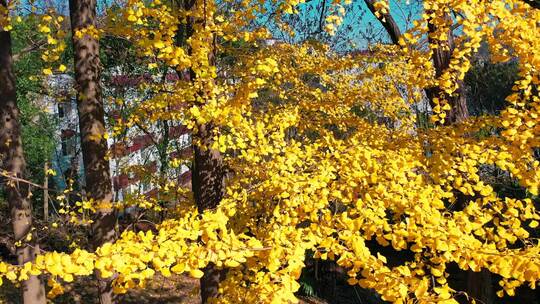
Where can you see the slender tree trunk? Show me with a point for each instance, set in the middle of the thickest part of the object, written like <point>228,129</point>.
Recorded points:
<point>441,60</point>
<point>479,284</point>
<point>208,174</point>
<point>46,193</point>
<point>92,128</point>
<point>12,160</point>
<point>161,146</point>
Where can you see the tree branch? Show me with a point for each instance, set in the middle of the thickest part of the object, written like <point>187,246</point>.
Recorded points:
<point>34,47</point>
<point>387,21</point>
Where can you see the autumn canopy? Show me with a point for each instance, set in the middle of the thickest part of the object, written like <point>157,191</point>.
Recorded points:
<point>302,148</point>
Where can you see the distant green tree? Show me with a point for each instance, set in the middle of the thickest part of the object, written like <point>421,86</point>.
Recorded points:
<point>37,125</point>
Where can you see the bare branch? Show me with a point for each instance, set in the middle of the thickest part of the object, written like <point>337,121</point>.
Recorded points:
<point>33,47</point>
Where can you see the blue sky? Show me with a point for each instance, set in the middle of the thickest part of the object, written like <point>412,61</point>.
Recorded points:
<point>359,26</point>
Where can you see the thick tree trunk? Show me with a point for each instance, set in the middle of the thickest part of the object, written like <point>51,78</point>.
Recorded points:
<point>208,184</point>
<point>12,160</point>
<point>208,173</point>
<point>92,128</point>
<point>479,286</point>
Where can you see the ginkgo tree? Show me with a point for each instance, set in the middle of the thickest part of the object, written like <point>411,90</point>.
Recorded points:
<point>287,162</point>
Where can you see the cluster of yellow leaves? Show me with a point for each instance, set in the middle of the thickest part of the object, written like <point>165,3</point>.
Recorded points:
<point>507,26</point>
<point>381,8</point>
<point>5,18</point>
<point>51,25</point>
<point>334,19</point>
<point>327,158</point>
<point>78,212</point>
<point>90,31</point>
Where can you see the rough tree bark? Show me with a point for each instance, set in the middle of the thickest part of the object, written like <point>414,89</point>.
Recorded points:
<point>92,128</point>
<point>12,160</point>
<point>208,184</point>
<point>479,284</point>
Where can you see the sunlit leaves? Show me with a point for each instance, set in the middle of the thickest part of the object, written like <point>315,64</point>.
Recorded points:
<point>325,155</point>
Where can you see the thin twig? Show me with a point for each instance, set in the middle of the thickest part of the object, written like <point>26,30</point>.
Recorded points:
<point>34,47</point>
<point>18,179</point>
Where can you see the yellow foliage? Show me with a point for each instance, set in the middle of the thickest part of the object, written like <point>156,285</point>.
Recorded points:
<point>326,154</point>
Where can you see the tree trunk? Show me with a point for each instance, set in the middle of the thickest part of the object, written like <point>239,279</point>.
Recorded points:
<point>479,286</point>
<point>208,174</point>
<point>46,193</point>
<point>208,185</point>
<point>478,283</point>
<point>92,128</point>
<point>12,160</point>
<point>441,60</point>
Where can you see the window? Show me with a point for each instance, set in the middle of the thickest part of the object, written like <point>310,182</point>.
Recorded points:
<point>69,142</point>
<point>61,113</point>
<point>68,146</point>
<point>64,109</point>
